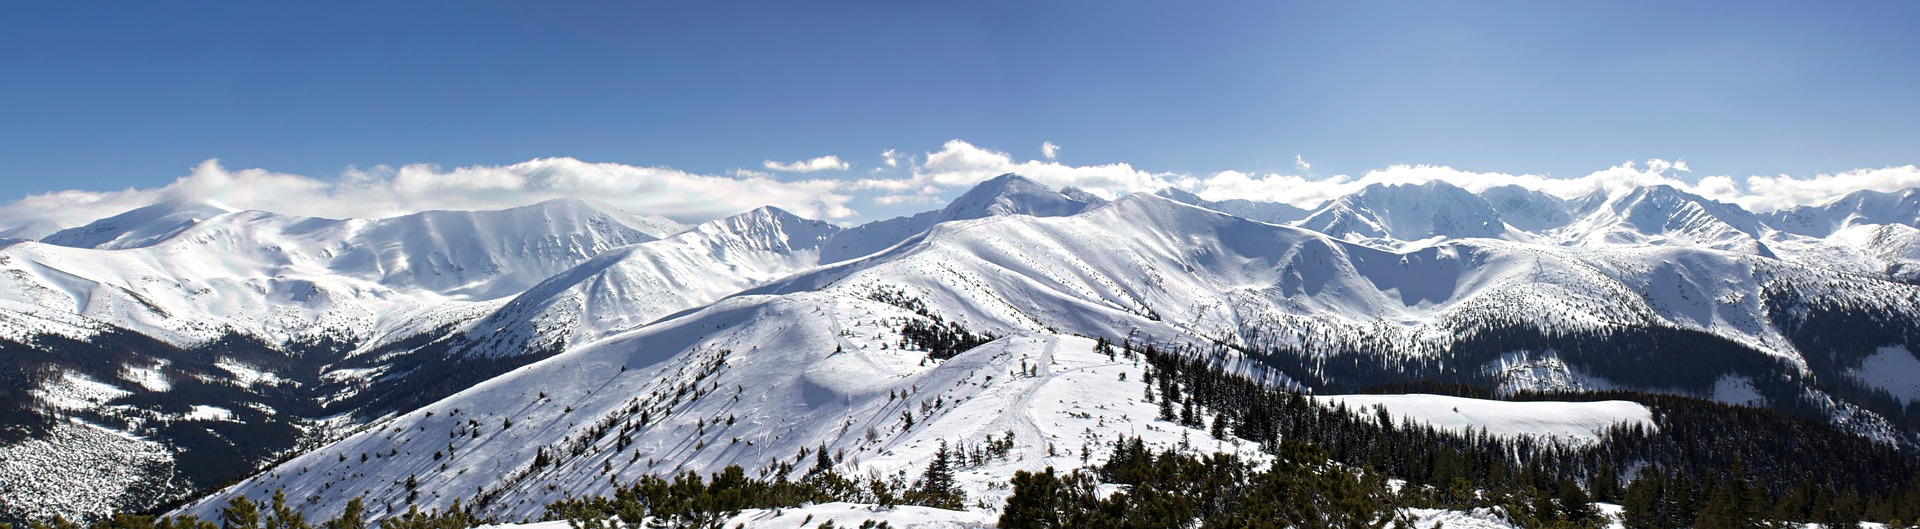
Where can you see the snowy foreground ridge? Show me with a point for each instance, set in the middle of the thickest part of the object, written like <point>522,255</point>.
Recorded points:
<point>912,517</point>
<point>530,354</point>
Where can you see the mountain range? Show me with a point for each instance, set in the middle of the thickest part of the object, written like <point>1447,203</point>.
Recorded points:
<point>563,346</point>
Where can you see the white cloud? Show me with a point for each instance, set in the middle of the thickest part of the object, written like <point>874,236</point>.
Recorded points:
<point>933,176</point>
<point>1778,192</point>
<point>823,163</point>
<point>1300,163</point>
<point>1309,192</point>
<point>891,200</point>
<point>385,191</point>
<point>960,164</point>
<point>1048,149</point>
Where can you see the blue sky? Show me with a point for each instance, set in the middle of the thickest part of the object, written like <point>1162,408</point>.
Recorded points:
<point>105,97</point>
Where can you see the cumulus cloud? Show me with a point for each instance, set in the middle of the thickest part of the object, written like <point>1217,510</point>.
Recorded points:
<point>1048,149</point>
<point>891,200</point>
<point>1310,192</point>
<point>959,164</point>
<point>1778,192</point>
<point>386,191</point>
<point>1760,194</point>
<point>930,178</point>
<point>823,163</point>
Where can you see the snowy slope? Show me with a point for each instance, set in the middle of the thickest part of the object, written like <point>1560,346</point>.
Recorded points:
<point>630,286</point>
<point>1571,422</point>
<point>749,381</point>
<point>625,288</point>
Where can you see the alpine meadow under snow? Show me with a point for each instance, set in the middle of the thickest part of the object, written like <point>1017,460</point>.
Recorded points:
<point>183,354</point>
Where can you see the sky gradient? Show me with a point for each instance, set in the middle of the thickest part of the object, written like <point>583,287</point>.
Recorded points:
<point>107,97</point>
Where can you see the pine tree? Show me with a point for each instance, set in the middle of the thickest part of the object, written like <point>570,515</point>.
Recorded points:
<point>283,516</point>
<point>1035,503</point>
<point>352,517</point>
<point>240,513</point>
<point>936,487</point>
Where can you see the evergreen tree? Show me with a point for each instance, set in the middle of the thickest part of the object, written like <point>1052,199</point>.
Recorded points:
<point>937,487</point>
<point>283,516</point>
<point>240,513</point>
<point>352,517</point>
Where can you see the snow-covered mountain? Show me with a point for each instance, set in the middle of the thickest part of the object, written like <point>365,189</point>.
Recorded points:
<point>744,339</point>
<point>1663,215</point>
<point>1526,209</point>
<point>817,359</point>
<point>631,286</point>
<point>1865,207</point>
<point>1268,212</point>
<point>139,228</point>
<point>221,339</point>
<point>1408,213</point>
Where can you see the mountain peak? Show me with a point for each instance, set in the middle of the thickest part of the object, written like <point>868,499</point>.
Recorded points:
<point>768,227</point>
<point>141,227</point>
<point>1408,212</point>
<point>1865,206</point>
<point>1012,194</point>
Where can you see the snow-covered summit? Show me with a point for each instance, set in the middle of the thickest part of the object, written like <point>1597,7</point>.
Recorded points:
<point>139,228</point>
<point>1857,208</point>
<point>1527,209</point>
<point>1408,212</point>
<point>1663,215</point>
<point>1012,194</point>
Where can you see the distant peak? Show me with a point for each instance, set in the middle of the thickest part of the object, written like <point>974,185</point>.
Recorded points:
<point>140,227</point>
<point>1179,195</point>
<point>1012,194</point>
<point>1011,177</point>
<point>770,211</point>
<point>186,206</point>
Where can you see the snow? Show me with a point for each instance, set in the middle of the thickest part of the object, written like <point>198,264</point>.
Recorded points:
<point>643,307</point>
<point>1892,368</point>
<point>1481,518</point>
<point>1573,422</point>
<point>75,391</point>
<point>1734,389</point>
<point>80,467</point>
<point>150,378</point>
<point>247,375</point>
<point>208,413</point>
<point>845,515</point>
<point>1543,372</point>
<point>803,370</point>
